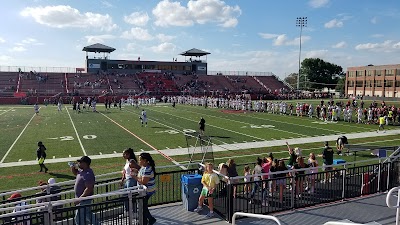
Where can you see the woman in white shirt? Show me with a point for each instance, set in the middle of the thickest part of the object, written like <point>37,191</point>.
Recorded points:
<point>257,179</point>
<point>131,162</point>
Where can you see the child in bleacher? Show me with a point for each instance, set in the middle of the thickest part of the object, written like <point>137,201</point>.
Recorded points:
<point>210,181</point>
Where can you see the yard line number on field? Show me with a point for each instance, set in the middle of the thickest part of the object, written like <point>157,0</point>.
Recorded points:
<point>76,132</point>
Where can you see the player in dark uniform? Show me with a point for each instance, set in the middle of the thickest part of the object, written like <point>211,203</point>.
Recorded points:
<point>202,124</point>
<point>41,156</point>
<point>105,102</point>
<point>120,103</point>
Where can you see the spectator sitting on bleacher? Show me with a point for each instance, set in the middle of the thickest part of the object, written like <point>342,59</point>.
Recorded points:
<point>22,220</point>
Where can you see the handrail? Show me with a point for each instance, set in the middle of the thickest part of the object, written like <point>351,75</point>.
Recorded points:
<point>73,181</point>
<point>341,223</point>
<point>267,217</point>
<point>307,169</point>
<point>28,208</point>
<point>397,206</point>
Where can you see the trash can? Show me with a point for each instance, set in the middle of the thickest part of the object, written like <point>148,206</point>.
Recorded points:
<point>191,189</point>
<point>338,161</point>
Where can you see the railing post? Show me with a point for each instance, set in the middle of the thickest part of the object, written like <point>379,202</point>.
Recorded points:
<point>140,206</point>
<point>293,185</point>
<point>344,183</point>
<point>130,208</point>
<point>48,217</point>
<point>388,176</point>
<point>379,177</point>
<point>229,211</point>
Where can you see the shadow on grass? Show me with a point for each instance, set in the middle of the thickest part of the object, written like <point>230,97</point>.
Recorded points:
<point>219,137</point>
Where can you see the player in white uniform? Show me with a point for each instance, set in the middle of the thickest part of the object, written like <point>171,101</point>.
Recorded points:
<point>310,111</point>
<point>59,106</point>
<point>359,115</point>
<point>143,117</point>
<point>36,108</point>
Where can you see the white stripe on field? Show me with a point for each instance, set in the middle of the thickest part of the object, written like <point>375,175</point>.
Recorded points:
<point>76,132</point>
<point>6,111</point>
<point>23,130</point>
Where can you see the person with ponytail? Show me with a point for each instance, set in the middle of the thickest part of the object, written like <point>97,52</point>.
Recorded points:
<point>146,176</point>
<point>131,163</point>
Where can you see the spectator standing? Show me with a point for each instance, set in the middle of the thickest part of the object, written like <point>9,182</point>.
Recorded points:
<point>232,172</point>
<point>299,175</point>
<point>210,181</point>
<point>281,178</point>
<point>327,155</point>
<point>127,180</point>
<point>257,171</point>
<point>41,156</point>
<point>84,187</point>
<point>146,176</point>
<point>292,156</point>
<point>313,164</point>
<point>247,179</point>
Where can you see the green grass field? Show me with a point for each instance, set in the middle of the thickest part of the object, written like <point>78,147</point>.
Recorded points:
<point>68,135</point>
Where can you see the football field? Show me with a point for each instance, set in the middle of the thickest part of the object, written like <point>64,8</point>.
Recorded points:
<point>243,136</point>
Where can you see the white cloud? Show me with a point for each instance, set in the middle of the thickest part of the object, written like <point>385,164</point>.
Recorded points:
<point>64,16</point>
<point>318,3</point>
<point>137,18</point>
<point>92,39</point>
<point>377,35</point>
<point>165,38</point>
<point>107,4</point>
<point>137,33</point>
<point>196,11</point>
<point>386,46</point>
<point>17,49</point>
<point>268,36</point>
<point>283,40</point>
<point>164,47</point>
<point>316,54</point>
<point>5,59</point>
<point>29,41</point>
<point>374,20</point>
<point>2,40</point>
<point>334,23</point>
<point>341,44</point>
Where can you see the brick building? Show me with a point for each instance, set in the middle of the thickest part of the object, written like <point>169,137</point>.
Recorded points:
<point>379,81</point>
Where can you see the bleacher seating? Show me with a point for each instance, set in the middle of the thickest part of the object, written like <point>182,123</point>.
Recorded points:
<point>8,83</point>
<point>271,82</point>
<point>88,84</point>
<point>42,84</point>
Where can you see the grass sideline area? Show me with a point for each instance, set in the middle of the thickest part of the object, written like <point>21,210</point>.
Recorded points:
<point>70,135</point>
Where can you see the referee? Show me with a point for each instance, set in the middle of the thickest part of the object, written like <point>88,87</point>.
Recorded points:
<point>202,124</point>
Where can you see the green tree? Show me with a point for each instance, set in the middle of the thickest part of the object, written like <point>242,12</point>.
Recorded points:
<point>319,73</point>
<point>292,80</point>
<point>341,85</point>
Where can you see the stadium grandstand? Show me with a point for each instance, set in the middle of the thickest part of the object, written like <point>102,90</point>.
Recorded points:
<point>105,76</point>
<point>330,194</point>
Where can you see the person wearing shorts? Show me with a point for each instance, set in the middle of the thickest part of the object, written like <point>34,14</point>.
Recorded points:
<point>210,181</point>
<point>327,155</point>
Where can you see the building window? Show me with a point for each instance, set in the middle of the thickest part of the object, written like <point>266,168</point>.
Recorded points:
<point>388,83</point>
<point>378,83</point>
<point>360,73</point>
<point>397,83</point>
<point>370,72</point>
<point>359,83</point>
<point>352,73</point>
<point>378,73</point>
<point>398,72</point>
<point>368,83</point>
<point>389,72</point>
<point>350,83</point>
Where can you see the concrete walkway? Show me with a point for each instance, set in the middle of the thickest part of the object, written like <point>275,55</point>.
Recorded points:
<point>226,147</point>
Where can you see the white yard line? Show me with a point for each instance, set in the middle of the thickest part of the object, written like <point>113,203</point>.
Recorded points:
<point>232,131</point>
<point>6,111</point>
<point>76,132</point>
<point>176,152</point>
<point>144,142</point>
<point>270,128</point>
<point>20,134</point>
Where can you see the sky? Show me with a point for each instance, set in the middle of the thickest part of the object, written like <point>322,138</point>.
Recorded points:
<point>241,35</point>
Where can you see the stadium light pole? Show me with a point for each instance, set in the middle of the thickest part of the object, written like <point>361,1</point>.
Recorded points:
<point>300,22</point>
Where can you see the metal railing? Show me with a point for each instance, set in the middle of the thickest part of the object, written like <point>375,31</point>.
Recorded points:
<point>273,218</point>
<point>397,205</point>
<point>38,69</point>
<point>118,207</point>
<point>238,73</point>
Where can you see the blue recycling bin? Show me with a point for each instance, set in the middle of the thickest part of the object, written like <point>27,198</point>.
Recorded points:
<point>191,189</point>
<point>338,161</point>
